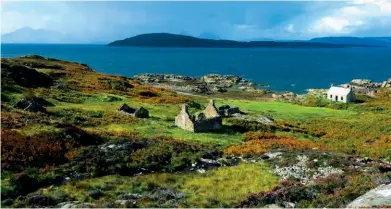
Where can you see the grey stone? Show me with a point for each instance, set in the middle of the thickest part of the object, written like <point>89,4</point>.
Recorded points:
<point>378,197</point>
<point>29,105</point>
<point>95,194</point>
<point>75,204</point>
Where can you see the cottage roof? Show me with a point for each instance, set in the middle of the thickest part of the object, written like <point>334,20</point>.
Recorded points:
<point>334,90</point>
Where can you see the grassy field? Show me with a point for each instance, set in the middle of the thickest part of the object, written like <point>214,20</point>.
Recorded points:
<point>215,188</point>
<point>286,111</point>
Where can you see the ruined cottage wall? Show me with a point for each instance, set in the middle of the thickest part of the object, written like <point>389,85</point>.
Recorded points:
<point>184,120</point>
<point>212,120</point>
<point>211,110</point>
<point>209,124</point>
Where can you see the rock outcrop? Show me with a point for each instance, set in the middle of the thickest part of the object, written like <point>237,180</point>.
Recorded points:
<point>208,84</point>
<point>205,121</point>
<point>285,96</point>
<point>31,105</point>
<point>365,86</point>
<point>376,198</point>
<point>138,113</point>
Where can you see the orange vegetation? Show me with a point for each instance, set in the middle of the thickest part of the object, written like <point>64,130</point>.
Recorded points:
<point>261,142</point>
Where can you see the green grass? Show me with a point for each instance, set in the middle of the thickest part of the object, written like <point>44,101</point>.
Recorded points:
<point>156,127</point>
<point>218,187</point>
<point>286,111</point>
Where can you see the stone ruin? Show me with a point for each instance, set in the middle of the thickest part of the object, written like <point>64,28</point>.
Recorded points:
<point>229,111</point>
<point>205,121</point>
<point>137,113</point>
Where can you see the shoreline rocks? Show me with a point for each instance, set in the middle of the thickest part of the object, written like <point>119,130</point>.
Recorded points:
<point>207,84</point>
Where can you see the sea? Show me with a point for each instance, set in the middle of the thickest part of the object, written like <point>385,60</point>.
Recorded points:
<point>282,69</point>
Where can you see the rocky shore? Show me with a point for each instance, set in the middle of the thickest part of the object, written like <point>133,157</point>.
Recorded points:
<point>359,86</point>
<point>208,84</point>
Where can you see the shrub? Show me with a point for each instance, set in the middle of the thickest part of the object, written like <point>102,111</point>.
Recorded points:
<point>255,146</point>
<point>120,85</point>
<point>19,151</point>
<point>259,135</point>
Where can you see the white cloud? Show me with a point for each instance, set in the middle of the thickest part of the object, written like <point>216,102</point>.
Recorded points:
<point>355,16</point>
<point>290,28</point>
<point>245,27</point>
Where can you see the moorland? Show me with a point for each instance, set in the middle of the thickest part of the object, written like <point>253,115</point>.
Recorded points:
<point>65,144</point>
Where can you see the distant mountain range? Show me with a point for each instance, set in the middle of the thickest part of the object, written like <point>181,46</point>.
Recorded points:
<point>41,36</point>
<point>175,40</point>
<point>29,35</point>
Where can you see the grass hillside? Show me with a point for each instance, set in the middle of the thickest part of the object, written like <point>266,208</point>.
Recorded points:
<point>82,149</point>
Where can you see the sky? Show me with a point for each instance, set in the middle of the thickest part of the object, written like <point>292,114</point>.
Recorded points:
<point>109,21</point>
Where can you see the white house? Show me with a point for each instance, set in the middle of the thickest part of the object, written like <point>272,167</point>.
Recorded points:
<point>340,94</point>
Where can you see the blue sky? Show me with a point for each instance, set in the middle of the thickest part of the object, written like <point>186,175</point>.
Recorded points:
<point>106,21</point>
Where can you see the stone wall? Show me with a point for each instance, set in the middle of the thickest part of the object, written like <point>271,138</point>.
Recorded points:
<point>205,121</point>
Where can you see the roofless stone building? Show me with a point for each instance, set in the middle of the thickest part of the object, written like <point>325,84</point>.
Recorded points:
<point>205,121</point>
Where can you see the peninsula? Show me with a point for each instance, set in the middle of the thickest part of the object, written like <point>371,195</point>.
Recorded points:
<point>175,40</point>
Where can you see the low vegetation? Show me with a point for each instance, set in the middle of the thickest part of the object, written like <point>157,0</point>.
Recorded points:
<point>82,149</point>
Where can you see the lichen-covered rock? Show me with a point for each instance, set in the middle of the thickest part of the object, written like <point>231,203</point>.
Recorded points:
<point>375,198</point>
<point>75,204</point>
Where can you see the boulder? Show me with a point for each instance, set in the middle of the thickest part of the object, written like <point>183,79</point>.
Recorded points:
<point>166,193</point>
<point>39,200</point>
<point>30,105</point>
<point>95,194</point>
<point>375,198</point>
<point>75,204</point>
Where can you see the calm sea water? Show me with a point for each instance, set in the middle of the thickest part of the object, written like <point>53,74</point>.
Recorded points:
<point>281,69</point>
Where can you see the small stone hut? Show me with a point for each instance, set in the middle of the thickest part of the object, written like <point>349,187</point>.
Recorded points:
<point>137,113</point>
<point>205,121</point>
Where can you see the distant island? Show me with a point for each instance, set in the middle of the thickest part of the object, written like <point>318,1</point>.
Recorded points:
<point>175,40</point>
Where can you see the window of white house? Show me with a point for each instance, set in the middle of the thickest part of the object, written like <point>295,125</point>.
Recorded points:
<point>331,96</point>
<point>341,98</point>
